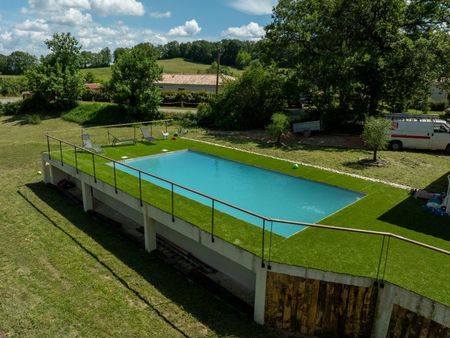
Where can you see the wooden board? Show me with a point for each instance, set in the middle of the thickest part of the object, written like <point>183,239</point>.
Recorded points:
<point>316,308</point>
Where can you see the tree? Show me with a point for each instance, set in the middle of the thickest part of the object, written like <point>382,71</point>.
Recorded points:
<point>118,52</point>
<point>133,81</point>
<point>243,59</point>
<point>57,78</point>
<point>3,64</point>
<point>18,62</point>
<point>105,57</point>
<point>249,101</point>
<point>278,126</point>
<point>355,55</point>
<point>375,134</point>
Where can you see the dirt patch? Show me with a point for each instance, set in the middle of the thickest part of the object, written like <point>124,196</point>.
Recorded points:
<point>2,334</point>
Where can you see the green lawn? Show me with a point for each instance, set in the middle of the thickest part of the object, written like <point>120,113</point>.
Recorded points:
<point>170,66</point>
<point>64,274</point>
<point>383,209</point>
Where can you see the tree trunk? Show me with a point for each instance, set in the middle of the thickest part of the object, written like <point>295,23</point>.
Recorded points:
<point>375,155</point>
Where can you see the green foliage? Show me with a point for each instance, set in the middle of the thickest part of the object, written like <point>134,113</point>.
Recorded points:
<point>350,60</point>
<point>12,108</point>
<point>278,126</point>
<point>31,119</point>
<point>97,114</point>
<point>225,70</point>
<point>133,81</point>
<point>17,63</point>
<point>243,59</point>
<point>89,77</point>
<point>183,97</point>
<point>375,135</point>
<point>58,79</point>
<point>12,86</point>
<point>438,105</point>
<point>248,102</point>
<point>96,60</point>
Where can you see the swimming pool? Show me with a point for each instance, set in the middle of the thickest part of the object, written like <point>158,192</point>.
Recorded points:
<point>261,191</point>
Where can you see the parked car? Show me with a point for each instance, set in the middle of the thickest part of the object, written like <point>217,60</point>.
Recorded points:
<point>419,132</point>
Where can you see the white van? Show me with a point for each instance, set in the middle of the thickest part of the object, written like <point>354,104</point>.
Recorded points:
<point>419,132</point>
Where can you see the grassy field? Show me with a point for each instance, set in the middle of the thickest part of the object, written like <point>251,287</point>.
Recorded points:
<point>383,209</point>
<point>171,66</point>
<point>63,274</point>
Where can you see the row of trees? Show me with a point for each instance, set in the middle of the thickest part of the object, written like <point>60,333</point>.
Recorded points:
<point>16,63</point>
<point>96,60</point>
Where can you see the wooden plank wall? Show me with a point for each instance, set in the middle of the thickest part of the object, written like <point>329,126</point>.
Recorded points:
<point>405,323</point>
<point>316,308</point>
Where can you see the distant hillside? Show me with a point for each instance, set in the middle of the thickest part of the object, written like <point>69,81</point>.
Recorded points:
<point>170,66</point>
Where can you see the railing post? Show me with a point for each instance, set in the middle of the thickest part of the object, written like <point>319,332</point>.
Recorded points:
<point>262,246</point>
<point>269,267</point>
<point>212,221</point>
<point>173,216</point>
<point>386,256</point>
<point>379,261</point>
<point>60,153</point>
<point>115,177</point>
<point>48,148</point>
<point>93,166</point>
<point>76,159</point>
<point>140,188</point>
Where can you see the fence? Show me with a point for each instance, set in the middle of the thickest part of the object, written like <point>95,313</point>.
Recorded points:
<point>370,256</point>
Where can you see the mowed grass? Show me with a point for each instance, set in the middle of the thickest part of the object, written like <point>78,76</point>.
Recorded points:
<point>170,66</point>
<point>384,208</point>
<point>64,274</point>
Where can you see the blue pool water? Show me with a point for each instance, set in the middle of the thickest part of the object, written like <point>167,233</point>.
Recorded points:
<point>261,191</point>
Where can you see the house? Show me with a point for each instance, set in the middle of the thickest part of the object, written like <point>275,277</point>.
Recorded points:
<point>94,87</point>
<point>194,82</point>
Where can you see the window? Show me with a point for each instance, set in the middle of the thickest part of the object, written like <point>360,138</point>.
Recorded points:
<point>441,128</point>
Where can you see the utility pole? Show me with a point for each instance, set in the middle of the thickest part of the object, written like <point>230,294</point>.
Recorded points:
<point>218,71</point>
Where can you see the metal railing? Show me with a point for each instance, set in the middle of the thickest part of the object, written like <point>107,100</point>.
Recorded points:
<point>386,236</point>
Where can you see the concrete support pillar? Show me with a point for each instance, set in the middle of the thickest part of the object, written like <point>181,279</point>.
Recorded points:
<point>383,312</point>
<point>260,295</point>
<point>88,200</point>
<point>149,232</point>
<point>47,172</point>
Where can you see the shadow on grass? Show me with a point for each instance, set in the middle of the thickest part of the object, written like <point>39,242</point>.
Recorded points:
<point>201,304</point>
<point>412,214</point>
<point>20,119</point>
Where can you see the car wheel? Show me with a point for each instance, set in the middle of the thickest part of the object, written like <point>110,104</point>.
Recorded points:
<point>395,145</point>
<point>447,149</point>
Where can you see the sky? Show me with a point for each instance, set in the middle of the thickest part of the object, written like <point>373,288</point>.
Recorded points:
<point>26,24</point>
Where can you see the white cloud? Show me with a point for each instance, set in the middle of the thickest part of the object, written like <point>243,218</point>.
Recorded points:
<point>72,17</point>
<point>6,37</point>
<point>251,31</point>
<point>190,28</point>
<point>42,5</point>
<point>161,15</point>
<point>38,25</point>
<point>254,7</point>
<point>118,7</point>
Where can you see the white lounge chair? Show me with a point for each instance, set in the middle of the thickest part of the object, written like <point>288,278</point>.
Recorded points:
<point>146,134</point>
<point>89,145</point>
<point>165,135</point>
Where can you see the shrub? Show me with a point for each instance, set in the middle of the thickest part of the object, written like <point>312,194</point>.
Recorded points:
<point>187,98</point>
<point>97,114</point>
<point>12,108</point>
<point>32,119</point>
<point>12,86</point>
<point>278,126</point>
<point>189,120</point>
